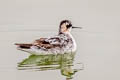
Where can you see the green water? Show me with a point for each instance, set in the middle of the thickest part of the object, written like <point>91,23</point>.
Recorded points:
<point>62,62</point>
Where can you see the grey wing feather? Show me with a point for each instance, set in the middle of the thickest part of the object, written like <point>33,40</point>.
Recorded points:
<point>48,43</point>
<point>56,40</point>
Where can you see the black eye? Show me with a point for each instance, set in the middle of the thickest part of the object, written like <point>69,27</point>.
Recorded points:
<point>68,26</point>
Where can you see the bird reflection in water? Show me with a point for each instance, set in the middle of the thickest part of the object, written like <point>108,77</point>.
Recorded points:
<point>62,62</point>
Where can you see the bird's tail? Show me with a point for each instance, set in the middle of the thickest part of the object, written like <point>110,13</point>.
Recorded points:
<point>24,46</point>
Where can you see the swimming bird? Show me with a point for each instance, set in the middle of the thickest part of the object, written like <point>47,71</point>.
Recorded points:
<point>61,43</point>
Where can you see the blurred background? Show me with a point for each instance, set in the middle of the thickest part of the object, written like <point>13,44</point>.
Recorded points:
<point>98,42</point>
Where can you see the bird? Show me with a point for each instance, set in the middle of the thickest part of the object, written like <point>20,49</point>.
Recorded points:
<point>61,43</point>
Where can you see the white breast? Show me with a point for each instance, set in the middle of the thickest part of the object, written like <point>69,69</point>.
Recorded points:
<point>74,48</point>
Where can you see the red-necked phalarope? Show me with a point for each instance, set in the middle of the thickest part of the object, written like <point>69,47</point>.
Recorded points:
<point>61,43</point>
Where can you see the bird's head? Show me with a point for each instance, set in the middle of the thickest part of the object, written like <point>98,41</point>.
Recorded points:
<point>66,26</point>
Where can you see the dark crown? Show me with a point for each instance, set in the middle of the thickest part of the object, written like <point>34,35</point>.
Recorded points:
<point>66,21</point>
